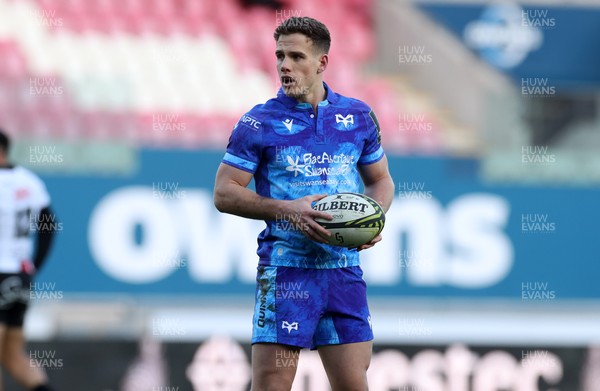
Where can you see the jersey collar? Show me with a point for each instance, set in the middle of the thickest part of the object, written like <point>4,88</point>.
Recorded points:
<point>330,97</point>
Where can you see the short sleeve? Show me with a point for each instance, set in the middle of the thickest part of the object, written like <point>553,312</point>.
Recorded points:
<point>39,198</point>
<point>244,147</point>
<point>372,151</point>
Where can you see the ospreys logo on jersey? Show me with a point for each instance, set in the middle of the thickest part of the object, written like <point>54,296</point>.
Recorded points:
<point>345,122</point>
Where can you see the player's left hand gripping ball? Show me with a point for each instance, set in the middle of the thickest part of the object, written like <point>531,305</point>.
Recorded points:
<point>357,218</point>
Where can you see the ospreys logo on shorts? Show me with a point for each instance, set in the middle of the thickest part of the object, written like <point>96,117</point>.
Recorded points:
<point>289,326</point>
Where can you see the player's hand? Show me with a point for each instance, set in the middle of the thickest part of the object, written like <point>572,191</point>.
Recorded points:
<point>303,216</point>
<point>27,268</point>
<point>370,244</point>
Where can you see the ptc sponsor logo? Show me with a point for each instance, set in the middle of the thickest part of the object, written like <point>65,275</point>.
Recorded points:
<point>250,121</point>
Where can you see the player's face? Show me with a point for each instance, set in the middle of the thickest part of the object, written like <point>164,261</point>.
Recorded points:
<point>299,65</point>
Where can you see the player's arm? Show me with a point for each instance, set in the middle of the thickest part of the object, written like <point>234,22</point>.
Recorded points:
<point>44,237</point>
<point>379,186</point>
<point>378,182</point>
<point>231,195</point>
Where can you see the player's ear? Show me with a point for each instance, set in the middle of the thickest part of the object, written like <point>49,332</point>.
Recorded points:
<point>323,61</point>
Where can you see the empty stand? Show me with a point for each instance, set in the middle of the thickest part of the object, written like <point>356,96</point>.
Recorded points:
<point>118,62</point>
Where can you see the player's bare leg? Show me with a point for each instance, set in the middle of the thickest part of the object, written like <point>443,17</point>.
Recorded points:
<point>16,362</point>
<point>2,334</point>
<point>346,365</point>
<point>273,366</point>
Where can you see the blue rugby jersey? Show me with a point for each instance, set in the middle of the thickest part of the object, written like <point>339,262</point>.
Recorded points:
<point>294,152</point>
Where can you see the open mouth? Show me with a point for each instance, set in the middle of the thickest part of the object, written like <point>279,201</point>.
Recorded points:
<point>287,81</point>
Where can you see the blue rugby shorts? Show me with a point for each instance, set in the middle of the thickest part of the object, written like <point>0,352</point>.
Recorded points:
<point>309,308</point>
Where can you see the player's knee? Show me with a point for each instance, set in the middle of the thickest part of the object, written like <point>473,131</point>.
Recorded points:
<point>10,361</point>
<point>272,380</point>
<point>357,382</point>
<point>271,386</point>
<point>351,387</point>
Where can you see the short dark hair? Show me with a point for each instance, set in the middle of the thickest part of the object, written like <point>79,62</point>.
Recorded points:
<point>312,28</point>
<point>4,141</point>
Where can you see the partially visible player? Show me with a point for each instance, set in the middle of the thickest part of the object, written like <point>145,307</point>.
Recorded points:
<point>24,202</point>
<point>300,146</point>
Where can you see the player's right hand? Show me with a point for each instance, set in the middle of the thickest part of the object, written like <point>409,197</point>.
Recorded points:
<point>304,217</point>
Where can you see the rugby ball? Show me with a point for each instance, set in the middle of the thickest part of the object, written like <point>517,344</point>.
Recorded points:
<point>357,218</point>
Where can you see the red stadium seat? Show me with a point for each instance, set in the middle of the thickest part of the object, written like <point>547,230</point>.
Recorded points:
<point>12,61</point>
<point>248,33</point>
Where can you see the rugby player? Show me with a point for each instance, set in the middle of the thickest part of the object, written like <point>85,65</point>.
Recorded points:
<point>24,203</point>
<point>304,144</point>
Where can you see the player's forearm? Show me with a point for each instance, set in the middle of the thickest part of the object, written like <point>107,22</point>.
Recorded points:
<point>381,191</point>
<point>241,201</point>
<point>45,236</point>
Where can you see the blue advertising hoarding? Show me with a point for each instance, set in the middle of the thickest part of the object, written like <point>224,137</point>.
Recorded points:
<point>552,45</point>
<point>449,234</point>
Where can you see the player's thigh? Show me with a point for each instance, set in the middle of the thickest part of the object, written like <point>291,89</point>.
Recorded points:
<point>14,341</point>
<point>346,365</point>
<point>273,366</point>
<point>3,328</point>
